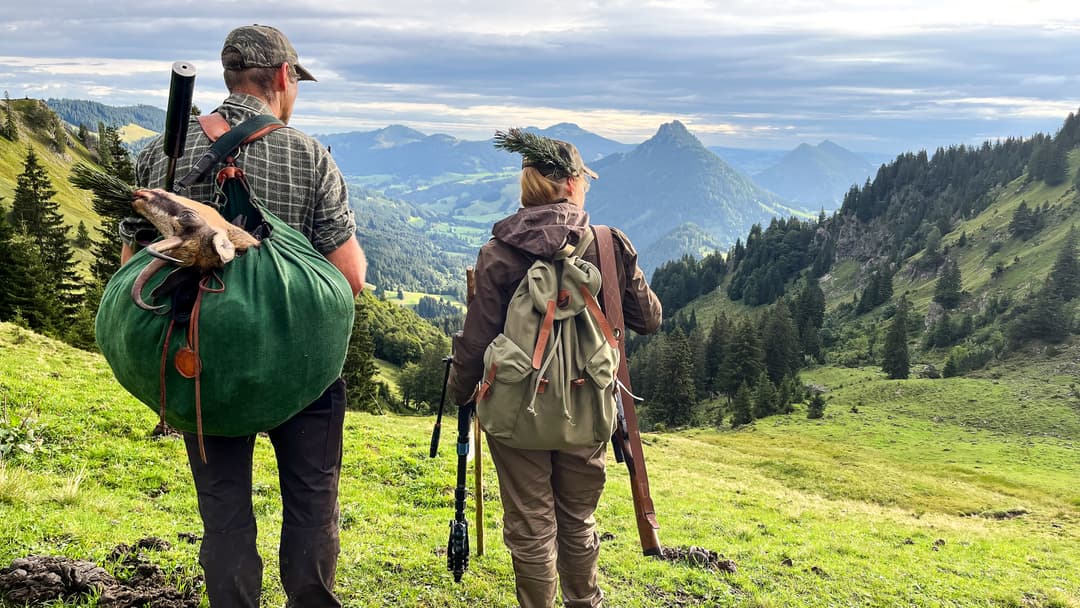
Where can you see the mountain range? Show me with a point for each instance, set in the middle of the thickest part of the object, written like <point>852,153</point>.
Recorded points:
<point>670,193</point>
<point>671,182</point>
<point>816,175</point>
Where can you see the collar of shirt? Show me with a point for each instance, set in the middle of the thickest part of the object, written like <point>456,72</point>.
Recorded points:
<point>246,102</point>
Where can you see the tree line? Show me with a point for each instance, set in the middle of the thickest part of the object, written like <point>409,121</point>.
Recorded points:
<point>734,370</point>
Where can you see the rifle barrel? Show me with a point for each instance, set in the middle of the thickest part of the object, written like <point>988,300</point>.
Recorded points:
<point>181,91</point>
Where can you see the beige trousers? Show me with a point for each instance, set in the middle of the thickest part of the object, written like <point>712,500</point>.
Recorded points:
<point>548,499</point>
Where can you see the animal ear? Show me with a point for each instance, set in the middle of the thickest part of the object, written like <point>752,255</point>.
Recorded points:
<point>223,246</point>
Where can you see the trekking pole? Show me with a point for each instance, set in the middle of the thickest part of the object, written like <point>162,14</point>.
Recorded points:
<point>478,461</point>
<point>181,90</point>
<point>457,547</point>
<point>437,431</point>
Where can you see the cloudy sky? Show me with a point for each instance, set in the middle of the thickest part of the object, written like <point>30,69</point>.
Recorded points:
<point>740,73</point>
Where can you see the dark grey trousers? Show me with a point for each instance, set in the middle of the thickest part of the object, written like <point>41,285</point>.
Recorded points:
<point>308,451</point>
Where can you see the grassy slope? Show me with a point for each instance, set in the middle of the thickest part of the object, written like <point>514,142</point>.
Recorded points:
<point>74,203</point>
<point>856,502</point>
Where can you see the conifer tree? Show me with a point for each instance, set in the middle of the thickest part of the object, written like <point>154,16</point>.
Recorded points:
<point>948,287</point>
<point>1065,275</point>
<point>82,236</point>
<point>16,292</point>
<point>359,370</point>
<point>816,408</point>
<point>895,361</point>
<point>1024,222</point>
<point>809,318</point>
<point>35,213</point>
<point>1057,166</point>
<point>83,135</point>
<point>10,130</point>
<point>742,411</point>
<point>716,348</point>
<point>677,398</point>
<point>59,135</point>
<point>745,361</point>
<point>766,399</point>
<point>781,343</point>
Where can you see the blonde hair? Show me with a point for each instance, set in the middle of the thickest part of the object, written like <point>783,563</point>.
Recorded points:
<point>538,189</point>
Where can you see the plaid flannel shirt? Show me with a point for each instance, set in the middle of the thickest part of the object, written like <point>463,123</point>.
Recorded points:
<point>289,172</point>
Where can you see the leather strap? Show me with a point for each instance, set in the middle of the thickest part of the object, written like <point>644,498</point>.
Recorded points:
<point>598,314</point>
<point>545,333</point>
<point>612,293</point>
<point>226,143</point>
<point>214,126</point>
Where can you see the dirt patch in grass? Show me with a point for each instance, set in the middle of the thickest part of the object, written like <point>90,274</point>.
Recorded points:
<point>41,579</point>
<point>699,558</point>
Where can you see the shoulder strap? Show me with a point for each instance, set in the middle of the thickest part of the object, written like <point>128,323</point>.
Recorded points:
<point>226,141</point>
<point>609,287</point>
<point>626,441</point>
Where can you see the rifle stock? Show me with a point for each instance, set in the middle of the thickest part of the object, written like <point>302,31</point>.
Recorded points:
<point>627,437</point>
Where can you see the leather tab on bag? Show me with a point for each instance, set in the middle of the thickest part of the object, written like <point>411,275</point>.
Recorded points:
<point>187,362</point>
<point>228,172</point>
<point>545,333</point>
<point>485,386</point>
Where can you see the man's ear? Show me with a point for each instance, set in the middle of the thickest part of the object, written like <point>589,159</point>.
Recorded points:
<point>570,184</point>
<point>283,76</point>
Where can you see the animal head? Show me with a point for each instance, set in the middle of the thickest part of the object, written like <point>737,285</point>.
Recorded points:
<point>191,238</point>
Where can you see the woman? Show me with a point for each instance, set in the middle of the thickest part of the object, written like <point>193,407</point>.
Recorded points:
<point>548,496</point>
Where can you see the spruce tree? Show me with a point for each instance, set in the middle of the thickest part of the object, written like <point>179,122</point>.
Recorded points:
<point>895,361</point>
<point>742,407</point>
<point>781,343</point>
<point>766,399</point>
<point>677,398</point>
<point>716,348</point>
<point>816,408</point>
<point>16,290</point>
<point>948,287</point>
<point>745,361</point>
<point>10,130</point>
<point>36,214</point>
<point>1065,274</point>
<point>83,135</point>
<point>359,370</point>
<point>59,135</point>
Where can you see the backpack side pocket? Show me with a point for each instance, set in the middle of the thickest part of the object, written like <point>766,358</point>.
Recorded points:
<point>509,389</point>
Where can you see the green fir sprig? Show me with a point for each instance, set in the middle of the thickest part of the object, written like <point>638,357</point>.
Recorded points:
<point>536,149</point>
<point>112,195</point>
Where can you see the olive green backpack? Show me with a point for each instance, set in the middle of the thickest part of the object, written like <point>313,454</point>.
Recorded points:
<point>549,380</point>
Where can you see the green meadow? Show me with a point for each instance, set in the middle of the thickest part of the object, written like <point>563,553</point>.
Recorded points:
<point>957,492</point>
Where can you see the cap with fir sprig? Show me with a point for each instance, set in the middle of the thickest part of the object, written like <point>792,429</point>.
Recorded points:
<point>552,157</point>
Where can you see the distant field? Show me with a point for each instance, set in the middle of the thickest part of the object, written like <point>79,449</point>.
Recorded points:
<point>944,493</point>
<point>132,132</point>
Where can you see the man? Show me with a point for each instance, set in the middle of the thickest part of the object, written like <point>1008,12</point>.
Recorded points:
<point>297,180</point>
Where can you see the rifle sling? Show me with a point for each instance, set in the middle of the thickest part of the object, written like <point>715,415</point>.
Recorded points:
<point>612,298</point>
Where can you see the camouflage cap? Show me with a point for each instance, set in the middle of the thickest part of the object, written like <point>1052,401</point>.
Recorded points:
<point>551,157</point>
<point>260,46</point>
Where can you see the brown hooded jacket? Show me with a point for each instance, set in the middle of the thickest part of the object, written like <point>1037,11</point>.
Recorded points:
<point>530,234</point>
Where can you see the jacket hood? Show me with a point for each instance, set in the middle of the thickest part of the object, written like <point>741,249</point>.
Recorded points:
<point>544,230</point>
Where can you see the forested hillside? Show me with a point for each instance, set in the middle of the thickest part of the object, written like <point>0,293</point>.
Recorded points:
<point>89,113</point>
<point>948,263</point>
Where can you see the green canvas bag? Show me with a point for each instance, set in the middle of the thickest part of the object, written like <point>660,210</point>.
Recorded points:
<point>271,329</point>
<point>549,379</point>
